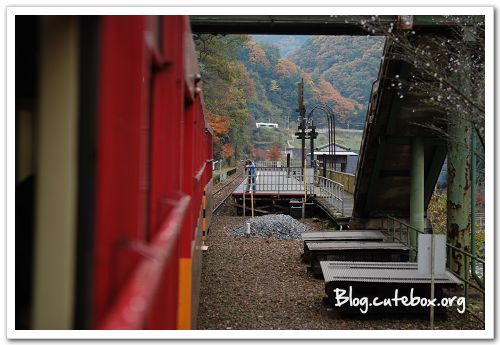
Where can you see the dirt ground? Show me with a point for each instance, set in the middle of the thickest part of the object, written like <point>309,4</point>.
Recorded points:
<point>256,283</point>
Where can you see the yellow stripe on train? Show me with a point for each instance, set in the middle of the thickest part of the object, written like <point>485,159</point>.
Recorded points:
<point>184,302</point>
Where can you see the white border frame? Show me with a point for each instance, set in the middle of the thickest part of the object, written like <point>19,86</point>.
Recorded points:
<point>11,333</point>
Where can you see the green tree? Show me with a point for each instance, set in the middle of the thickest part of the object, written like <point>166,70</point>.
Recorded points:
<point>224,93</point>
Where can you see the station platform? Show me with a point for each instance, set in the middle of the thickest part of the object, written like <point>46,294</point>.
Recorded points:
<point>281,182</point>
<point>276,181</point>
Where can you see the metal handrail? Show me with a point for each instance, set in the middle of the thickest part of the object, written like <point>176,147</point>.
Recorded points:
<point>334,192</point>
<point>282,179</point>
<point>468,283</point>
<point>469,257</point>
<point>260,164</point>
<point>408,227</point>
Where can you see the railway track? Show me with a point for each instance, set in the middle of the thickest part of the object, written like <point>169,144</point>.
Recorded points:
<point>221,194</point>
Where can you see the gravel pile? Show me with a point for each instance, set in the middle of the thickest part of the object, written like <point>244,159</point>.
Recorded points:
<point>279,226</point>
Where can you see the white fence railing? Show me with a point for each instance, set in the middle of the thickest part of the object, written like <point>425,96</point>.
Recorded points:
<point>281,163</point>
<point>265,164</point>
<point>277,178</point>
<point>332,192</point>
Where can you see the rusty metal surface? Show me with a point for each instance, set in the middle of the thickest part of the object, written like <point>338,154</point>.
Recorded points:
<point>381,272</point>
<point>354,235</point>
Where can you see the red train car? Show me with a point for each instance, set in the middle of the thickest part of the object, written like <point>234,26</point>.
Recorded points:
<point>112,137</point>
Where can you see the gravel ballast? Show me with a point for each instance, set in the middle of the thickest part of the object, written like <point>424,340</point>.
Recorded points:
<point>279,226</point>
<point>261,283</point>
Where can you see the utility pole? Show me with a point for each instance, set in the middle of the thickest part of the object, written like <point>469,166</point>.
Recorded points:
<point>301,134</point>
<point>312,135</point>
<point>306,130</point>
<point>301,109</point>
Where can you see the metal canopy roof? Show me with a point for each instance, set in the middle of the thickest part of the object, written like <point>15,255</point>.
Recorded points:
<point>338,153</point>
<point>308,25</point>
<point>384,167</point>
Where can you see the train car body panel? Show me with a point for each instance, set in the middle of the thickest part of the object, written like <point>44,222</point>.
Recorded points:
<point>123,173</point>
<point>121,157</point>
<point>168,125</point>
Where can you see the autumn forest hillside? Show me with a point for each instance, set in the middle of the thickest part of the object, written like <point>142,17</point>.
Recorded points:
<point>250,79</point>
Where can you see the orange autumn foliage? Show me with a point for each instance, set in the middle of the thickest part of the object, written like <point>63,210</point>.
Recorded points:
<point>227,150</point>
<point>248,84</point>
<point>219,124</point>
<point>257,54</point>
<point>328,94</point>
<point>259,154</point>
<point>274,153</point>
<point>286,68</point>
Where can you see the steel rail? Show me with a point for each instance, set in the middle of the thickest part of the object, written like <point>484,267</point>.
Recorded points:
<point>227,183</point>
<point>228,195</point>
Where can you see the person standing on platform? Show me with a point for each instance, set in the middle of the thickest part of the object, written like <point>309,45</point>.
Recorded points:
<point>251,171</point>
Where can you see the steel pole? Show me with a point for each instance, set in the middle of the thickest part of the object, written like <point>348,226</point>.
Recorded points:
<point>303,122</point>
<point>244,192</point>
<point>473,211</point>
<point>459,171</point>
<point>334,142</point>
<point>473,202</point>
<point>305,193</point>
<point>312,146</point>
<point>251,199</point>
<point>458,191</point>
<point>417,211</point>
<point>329,143</point>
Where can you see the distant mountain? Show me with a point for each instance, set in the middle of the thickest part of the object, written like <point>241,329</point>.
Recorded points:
<point>349,63</point>
<point>286,44</point>
<point>337,70</point>
<point>254,79</point>
<point>274,80</point>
